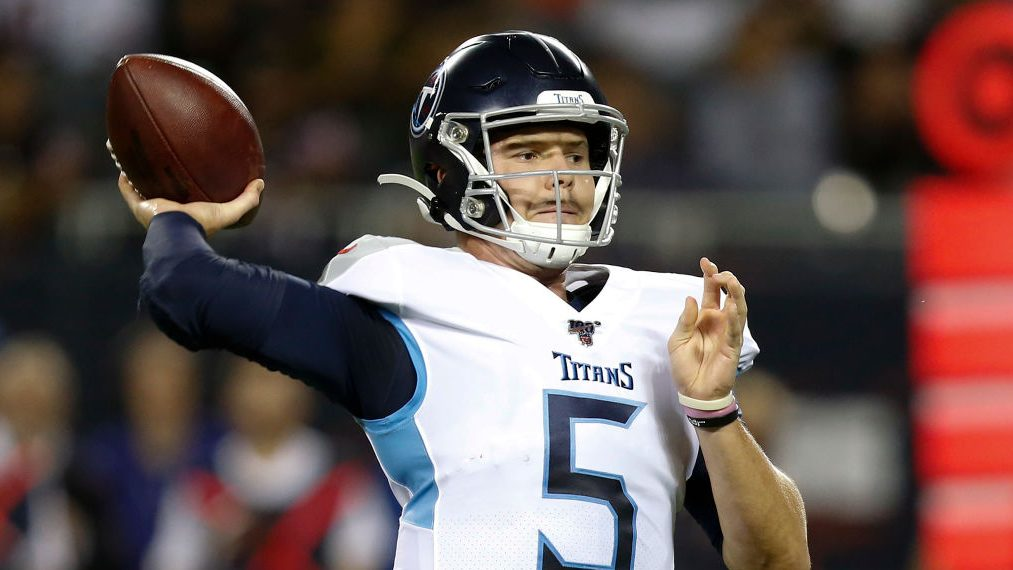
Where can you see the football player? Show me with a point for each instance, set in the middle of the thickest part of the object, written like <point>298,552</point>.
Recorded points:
<point>529,411</point>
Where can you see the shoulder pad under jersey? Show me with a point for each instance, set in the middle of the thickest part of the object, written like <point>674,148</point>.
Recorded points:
<point>357,250</point>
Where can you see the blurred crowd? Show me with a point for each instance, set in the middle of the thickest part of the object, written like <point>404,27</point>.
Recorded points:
<point>172,485</point>
<point>763,95</point>
<point>120,450</point>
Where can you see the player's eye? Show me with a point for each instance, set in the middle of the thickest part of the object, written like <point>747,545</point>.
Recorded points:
<point>526,155</point>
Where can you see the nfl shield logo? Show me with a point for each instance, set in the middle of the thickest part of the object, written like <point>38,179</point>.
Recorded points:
<point>584,330</point>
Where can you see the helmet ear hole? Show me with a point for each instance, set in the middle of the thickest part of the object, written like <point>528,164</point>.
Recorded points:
<point>434,175</point>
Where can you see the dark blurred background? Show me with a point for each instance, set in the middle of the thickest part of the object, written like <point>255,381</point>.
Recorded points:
<point>774,136</point>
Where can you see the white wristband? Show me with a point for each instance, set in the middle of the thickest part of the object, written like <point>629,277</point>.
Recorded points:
<point>706,405</point>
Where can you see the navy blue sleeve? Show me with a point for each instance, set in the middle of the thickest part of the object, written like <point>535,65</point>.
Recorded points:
<point>334,342</point>
<point>699,501</point>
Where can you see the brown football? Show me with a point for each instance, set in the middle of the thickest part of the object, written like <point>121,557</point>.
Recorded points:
<point>179,132</point>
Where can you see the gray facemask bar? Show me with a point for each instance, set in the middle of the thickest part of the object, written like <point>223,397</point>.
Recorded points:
<point>608,179</point>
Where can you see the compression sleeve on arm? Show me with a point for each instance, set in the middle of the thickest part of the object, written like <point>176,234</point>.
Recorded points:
<point>335,343</point>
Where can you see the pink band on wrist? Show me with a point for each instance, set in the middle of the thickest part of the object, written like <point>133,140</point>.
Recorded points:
<point>704,415</point>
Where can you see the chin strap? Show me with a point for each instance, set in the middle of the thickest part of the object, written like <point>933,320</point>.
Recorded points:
<point>423,203</point>
<point>551,255</point>
<point>402,180</point>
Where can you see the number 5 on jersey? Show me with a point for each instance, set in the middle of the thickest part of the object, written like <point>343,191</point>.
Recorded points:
<point>563,480</point>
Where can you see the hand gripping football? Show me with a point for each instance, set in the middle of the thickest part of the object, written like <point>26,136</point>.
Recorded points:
<point>178,132</point>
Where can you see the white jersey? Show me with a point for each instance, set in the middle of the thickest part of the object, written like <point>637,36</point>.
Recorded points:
<point>538,436</point>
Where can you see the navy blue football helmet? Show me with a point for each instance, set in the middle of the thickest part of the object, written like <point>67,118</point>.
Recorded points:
<point>510,80</point>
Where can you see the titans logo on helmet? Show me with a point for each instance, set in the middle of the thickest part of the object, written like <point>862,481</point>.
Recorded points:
<point>427,102</point>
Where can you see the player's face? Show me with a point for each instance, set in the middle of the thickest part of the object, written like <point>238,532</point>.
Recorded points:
<point>541,148</point>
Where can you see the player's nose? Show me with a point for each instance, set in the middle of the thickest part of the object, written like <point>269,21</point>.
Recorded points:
<point>557,162</point>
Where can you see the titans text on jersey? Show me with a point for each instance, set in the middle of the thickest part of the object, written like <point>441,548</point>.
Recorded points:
<point>615,375</point>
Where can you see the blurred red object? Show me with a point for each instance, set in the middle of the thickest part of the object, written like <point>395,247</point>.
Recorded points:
<point>960,266</point>
<point>965,430</point>
<point>959,229</point>
<point>963,90</point>
<point>967,525</point>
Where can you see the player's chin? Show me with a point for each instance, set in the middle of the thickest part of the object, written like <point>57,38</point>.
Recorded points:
<point>551,218</point>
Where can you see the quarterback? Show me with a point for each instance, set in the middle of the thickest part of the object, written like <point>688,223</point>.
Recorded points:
<point>529,411</point>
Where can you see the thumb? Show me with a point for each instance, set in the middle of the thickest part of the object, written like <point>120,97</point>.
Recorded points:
<point>249,199</point>
<point>687,321</point>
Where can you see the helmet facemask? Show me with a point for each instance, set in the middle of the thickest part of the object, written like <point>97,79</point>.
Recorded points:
<point>486,210</point>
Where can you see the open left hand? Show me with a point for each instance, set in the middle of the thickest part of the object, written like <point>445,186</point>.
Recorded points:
<point>705,346</point>
<point>212,216</point>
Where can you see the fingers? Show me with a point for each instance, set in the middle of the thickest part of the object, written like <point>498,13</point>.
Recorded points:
<point>735,309</point>
<point>736,293</point>
<point>733,331</point>
<point>714,282</point>
<point>711,298</point>
<point>211,216</point>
